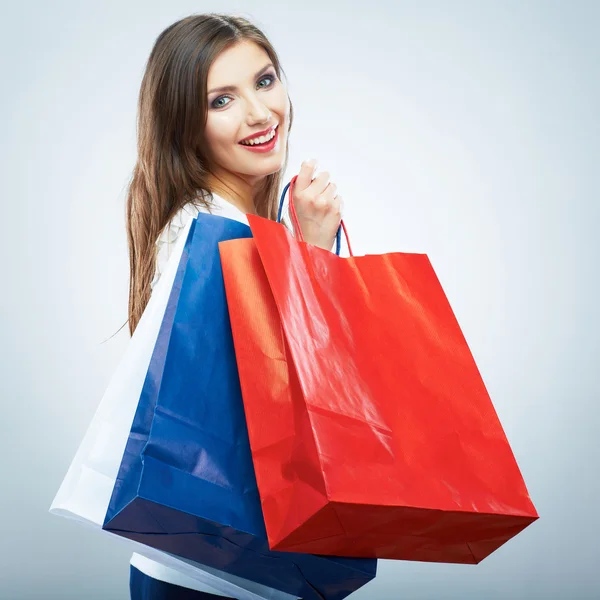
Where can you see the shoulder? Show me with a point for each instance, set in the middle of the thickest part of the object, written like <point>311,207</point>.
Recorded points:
<point>170,234</point>
<point>174,227</point>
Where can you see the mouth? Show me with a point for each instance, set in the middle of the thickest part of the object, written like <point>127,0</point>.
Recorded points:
<point>262,143</point>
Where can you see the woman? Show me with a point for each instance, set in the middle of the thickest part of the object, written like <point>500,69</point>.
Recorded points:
<point>213,124</point>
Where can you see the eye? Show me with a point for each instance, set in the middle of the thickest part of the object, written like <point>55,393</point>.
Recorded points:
<point>268,76</point>
<point>216,104</point>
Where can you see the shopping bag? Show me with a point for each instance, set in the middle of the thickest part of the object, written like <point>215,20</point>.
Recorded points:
<point>186,483</point>
<point>85,491</point>
<point>371,429</point>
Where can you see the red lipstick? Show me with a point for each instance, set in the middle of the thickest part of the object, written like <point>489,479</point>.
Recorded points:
<point>267,146</point>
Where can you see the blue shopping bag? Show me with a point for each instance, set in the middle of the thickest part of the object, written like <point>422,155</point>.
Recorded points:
<point>186,484</point>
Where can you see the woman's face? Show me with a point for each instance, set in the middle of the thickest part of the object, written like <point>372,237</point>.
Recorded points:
<point>255,101</point>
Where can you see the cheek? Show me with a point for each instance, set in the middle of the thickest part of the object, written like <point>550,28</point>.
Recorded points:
<point>222,130</point>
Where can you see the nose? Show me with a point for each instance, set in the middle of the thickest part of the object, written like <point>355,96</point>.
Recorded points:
<point>258,111</point>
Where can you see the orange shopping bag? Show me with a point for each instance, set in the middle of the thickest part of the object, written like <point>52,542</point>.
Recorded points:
<point>371,429</point>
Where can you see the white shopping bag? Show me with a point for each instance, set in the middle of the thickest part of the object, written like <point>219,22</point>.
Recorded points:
<point>87,487</point>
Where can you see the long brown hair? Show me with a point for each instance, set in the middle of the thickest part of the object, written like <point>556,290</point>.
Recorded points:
<point>172,167</point>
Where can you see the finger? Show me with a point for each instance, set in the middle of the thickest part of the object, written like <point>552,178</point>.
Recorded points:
<point>305,175</point>
<point>328,204</point>
<point>330,193</point>
<point>319,183</point>
<point>333,208</point>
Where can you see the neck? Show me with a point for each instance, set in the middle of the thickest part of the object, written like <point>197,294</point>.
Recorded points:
<point>236,189</point>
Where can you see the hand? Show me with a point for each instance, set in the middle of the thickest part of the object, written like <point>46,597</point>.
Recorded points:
<point>318,206</point>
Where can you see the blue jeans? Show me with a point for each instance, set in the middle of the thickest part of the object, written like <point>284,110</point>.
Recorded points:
<point>143,587</point>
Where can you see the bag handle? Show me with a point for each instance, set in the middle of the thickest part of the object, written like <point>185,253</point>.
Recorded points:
<point>296,224</point>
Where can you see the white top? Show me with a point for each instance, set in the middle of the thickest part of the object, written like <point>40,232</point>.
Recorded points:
<point>164,246</point>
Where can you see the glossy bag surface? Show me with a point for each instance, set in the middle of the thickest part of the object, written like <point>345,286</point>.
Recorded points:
<point>186,483</point>
<point>371,429</point>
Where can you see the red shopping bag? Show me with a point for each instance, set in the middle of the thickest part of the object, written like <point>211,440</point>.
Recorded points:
<point>371,429</point>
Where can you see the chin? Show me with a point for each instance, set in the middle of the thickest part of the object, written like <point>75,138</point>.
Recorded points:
<point>262,167</point>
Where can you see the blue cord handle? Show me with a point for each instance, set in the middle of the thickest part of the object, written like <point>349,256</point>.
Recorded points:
<point>338,235</point>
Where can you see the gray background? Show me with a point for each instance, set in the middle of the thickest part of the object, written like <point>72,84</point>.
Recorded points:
<point>467,130</point>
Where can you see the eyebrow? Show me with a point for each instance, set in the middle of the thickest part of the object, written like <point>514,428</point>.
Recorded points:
<point>232,88</point>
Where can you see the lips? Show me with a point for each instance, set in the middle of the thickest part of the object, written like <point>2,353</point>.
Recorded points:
<point>265,148</point>
<point>259,134</point>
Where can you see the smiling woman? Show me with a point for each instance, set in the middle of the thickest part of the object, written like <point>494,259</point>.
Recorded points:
<point>214,118</point>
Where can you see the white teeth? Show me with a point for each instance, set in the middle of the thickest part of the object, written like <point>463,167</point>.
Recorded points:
<point>261,140</point>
